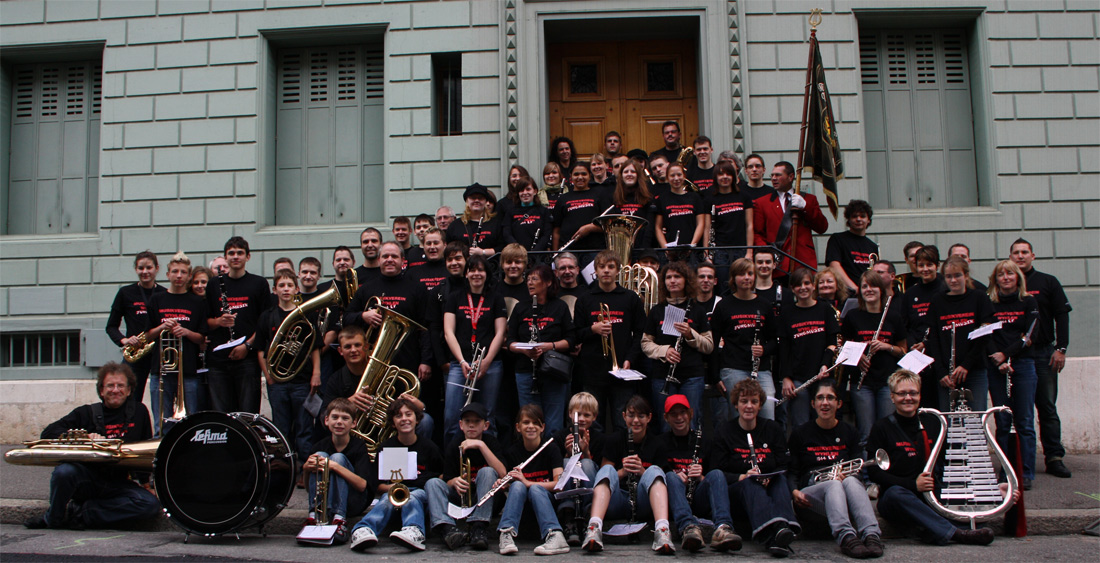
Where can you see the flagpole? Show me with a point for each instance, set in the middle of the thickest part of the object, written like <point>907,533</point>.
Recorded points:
<point>815,20</point>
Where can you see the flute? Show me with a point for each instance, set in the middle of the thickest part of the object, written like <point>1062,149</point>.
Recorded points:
<point>504,481</point>
<point>882,319</point>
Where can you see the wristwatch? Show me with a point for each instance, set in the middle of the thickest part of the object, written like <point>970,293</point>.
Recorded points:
<point>1062,350</point>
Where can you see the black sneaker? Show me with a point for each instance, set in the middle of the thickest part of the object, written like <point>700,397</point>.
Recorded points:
<point>572,536</point>
<point>478,540</point>
<point>780,544</point>
<point>981,536</point>
<point>453,537</point>
<point>36,522</point>
<point>342,533</point>
<point>852,547</point>
<point>1058,469</point>
<point>873,543</point>
<point>1025,483</point>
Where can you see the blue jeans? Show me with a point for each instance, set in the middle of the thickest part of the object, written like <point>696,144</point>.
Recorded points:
<point>731,376</point>
<point>542,502</point>
<point>342,499</point>
<point>691,387</point>
<point>440,495</point>
<point>289,415</point>
<point>454,396</point>
<point>711,498</point>
<point>107,498</point>
<point>191,398</point>
<point>906,510</point>
<point>618,506</point>
<point>870,405</point>
<point>799,409</point>
<point>1046,405</point>
<point>977,383</point>
<point>412,514</point>
<point>846,505</point>
<point>1024,380</point>
<point>552,397</point>
<point>764,506</point>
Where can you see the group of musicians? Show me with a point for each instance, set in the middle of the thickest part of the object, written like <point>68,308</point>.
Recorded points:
<point>551,344</point>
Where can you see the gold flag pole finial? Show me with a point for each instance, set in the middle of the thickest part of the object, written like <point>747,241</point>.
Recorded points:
<point>815,18</point>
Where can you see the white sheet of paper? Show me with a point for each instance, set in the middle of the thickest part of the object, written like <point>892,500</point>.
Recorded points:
<point>673,315</point>
<point>625,529</point>
<point>459,513</point>
<point>987,329</point>
<point>526,345</point>
<point>392,460</point>
<point>572,471</point>
<point>627,374</point>
<point>231,344</point>
<point>589,272</point>
<point>318,534</point>
<point>915,361</point>
<point>850,353</point>
<point>851,303</point>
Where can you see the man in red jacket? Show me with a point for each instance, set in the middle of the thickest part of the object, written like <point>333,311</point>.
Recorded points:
<point>775,215</point>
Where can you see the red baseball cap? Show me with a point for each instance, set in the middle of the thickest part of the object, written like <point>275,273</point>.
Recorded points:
<point>676,400</point>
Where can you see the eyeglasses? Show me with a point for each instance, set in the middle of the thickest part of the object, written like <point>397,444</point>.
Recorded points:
<point>825,398</point>
<point>906,393</point>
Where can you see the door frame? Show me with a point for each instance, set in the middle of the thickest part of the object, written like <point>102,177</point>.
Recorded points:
<point>715,101</point>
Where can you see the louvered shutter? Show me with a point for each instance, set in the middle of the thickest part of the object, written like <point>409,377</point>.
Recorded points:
<point>53,172</point>
<point>918,120</point>
<point>329,136</point>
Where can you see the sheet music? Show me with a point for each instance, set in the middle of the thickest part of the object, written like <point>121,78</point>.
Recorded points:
<point>572,471</point>
<point>625,529</point>
<point>673,315</point>
<point>526,345</point>
<point>459,513</point>
<point>627,374</point>
<point>850,353</point>
<point>915,361</point>
<point>987,329</point>
<point>589,272</point>
<point>320,535</point>
<point>231,344</point>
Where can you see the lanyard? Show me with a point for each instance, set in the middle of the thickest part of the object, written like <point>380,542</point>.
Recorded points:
<point>475,314</point>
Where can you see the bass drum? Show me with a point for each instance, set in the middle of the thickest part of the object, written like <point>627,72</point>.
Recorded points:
<point>217,473</point>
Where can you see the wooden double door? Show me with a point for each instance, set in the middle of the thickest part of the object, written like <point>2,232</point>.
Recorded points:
<point>627,86</point>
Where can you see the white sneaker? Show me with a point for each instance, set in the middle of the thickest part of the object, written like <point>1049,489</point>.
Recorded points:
<point>555,544</point>
<point>593,539</point>
<point>363,538</point>
<point>662,541</point>
<point>872,491</point>
<point>508,541</point>
<point>410,537</point>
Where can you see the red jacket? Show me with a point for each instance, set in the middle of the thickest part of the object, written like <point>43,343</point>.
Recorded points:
<point>766,216</point>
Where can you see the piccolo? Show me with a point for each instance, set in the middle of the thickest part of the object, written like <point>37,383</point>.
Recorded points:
<point>507,479</point>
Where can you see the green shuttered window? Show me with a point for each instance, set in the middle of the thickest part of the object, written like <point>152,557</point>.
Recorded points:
<point>918,119</point>
<point>329,135</point>
<point>52,176</point>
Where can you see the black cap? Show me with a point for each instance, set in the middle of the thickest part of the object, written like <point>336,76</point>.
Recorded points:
<point>476,408</point>
<point>476,188</point>
<point>647,253</point>
<point>638,153</point>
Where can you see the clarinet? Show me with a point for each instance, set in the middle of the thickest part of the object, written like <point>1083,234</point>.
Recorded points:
<point>885,309</point>
<point>534,338</point>
<point>225,302</point>
<point>756,342</point>
<point>631,478</point>
<point>689,487</point>
<point>535,241</point>
<point>951,359</point>
<point>713,239</point>
<point>671,377</point>
<point>577,513</point>
<point>477,232</point>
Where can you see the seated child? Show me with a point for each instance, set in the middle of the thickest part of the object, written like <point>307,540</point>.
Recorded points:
<point>350,470</point>
<point>534,482</point>
<point>585,409</point>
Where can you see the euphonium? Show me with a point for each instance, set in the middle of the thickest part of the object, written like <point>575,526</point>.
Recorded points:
<point>135,352</point>
<point>297,337</point>
<point>383,380</point>
<point>620,232</point>
<point>76,447</point>
<point>609,340</point>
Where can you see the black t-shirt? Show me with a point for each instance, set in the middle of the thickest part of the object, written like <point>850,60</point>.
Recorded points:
<point>357,454</point>
<point>577,209</point>
<point>908,443</point>
<point>365,274</point>
<point>615,449</point>
<point>627,323</point>
<point>553,323</point>
<point>189,310</point>
<point>813,446</point>
<point>466,307</point>
<point>473,455</point>
<point>702,178</point>
<point>680,214</point>
<point>728,216</point>
<point>541,468</point>
<point>248,296</point>
<point>130,422</point>
<point>852,251</point>
<point>131,304</point>
<point>341,383</point>
<point>531,227</point>
<point>860,326</point>
<point>735,322</point>
<point>429,461</point>
<point>414,256</point>
<point>1015,316</point>
<point>918,297</point>
<point>517,291</point>
<point>805,333</point>
<point>691,360</point>
<point>406,297</point>
<point>631,206</point>
<point>967,312</point>
<point>596,441</point>
<point>756,193</point>
<point>731,448</point>
<point>487,236</point>
<point>428,274</point>
<point>677,451</point>
<point>1053,306</point>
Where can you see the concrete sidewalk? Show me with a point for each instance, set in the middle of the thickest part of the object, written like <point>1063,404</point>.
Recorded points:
<point>1054,506</point>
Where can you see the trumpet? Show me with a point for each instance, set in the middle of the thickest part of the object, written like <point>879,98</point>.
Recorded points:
<point>466,472</point>
<point>471,376</point>
<point>134,352</point>
<point>608,341</point>
<point>845,469</point>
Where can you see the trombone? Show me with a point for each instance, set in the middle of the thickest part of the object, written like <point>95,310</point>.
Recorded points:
<point>608,341</point>
<point>171,364</point>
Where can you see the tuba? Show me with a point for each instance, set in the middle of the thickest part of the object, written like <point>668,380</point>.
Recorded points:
<point>297,336</point>
<point>133,353</point>
<point>620,231</point>
<point>75,446</point>
<point>969,490</point>
<point>383,380</point>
